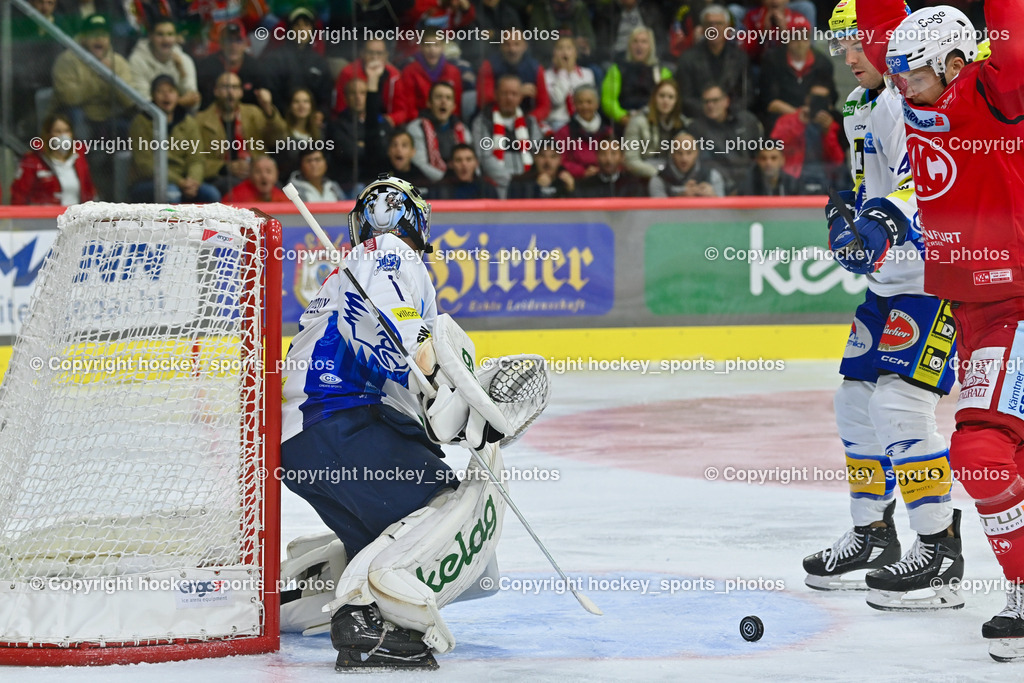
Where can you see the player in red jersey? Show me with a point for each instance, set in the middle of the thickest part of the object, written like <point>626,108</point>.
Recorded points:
<point>965,135</point>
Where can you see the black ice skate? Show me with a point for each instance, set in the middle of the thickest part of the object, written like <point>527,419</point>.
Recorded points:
<point>1006,629</point>
<point>863,547</point>
<point>934,564</point>
<point>365,641</point>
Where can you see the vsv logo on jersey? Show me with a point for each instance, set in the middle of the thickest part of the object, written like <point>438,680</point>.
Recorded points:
<point>388,262</point>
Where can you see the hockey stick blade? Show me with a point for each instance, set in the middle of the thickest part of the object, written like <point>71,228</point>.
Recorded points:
<point>429,388</point>
<point>846,215</point>
<point>584,601</point>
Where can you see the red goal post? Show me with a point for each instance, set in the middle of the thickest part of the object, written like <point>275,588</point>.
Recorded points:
<point>139,435</point>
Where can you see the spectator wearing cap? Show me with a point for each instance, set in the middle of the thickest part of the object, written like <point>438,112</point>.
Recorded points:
<point>184,162</point>
<point>373,51</point>
<point>581,137</point>
<point>95,105</point>
<point>514,59</point>
<point>436,133</point>
<point>160,54</point>
<point>71,16</point>
<point>510,134</point>
<point>233,133</point>
<point>788,70</point>
<point>463,179</point>
<point>260,186</point>
<point>296,64</point>
<point>233,57</point>
<point>713,59</point>
<point>427,67</point>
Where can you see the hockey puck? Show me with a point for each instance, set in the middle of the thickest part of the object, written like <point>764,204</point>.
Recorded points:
<point>751,628</point>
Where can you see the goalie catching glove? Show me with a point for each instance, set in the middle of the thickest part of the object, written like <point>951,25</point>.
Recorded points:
<point>460,410</point>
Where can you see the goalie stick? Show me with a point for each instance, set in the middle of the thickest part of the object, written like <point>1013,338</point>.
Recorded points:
<point>430,389</point>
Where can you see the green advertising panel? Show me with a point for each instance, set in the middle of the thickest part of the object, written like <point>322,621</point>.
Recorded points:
<point>745,267</point>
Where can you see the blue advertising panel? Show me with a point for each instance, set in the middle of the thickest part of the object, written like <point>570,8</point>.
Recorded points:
<point>527,269</point>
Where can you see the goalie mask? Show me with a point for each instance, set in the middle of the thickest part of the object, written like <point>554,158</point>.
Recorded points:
<point>390,205</point>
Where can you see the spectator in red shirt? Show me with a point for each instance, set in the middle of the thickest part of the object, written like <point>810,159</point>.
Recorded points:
<point>428,67</point>
<point>810,136</point>
<point>55,174</point>
<point>581,137</point>
<point>373,51</point>
<point>260,186</point>
<point>765,26</point>
<point>515,61</point>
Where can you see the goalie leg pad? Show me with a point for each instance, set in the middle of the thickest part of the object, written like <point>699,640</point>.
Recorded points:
<point>314,563</point>
<point>431,557</point>
<point>431,566</point>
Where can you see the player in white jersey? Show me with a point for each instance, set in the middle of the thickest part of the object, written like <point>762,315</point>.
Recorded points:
<point>353,443</point>
<point>895,369</point>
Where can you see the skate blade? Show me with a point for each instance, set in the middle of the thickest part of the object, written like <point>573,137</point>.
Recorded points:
<point>895,601</point>
<point>1006,649</point>
<point>839,582</point>
<point>350,661</point>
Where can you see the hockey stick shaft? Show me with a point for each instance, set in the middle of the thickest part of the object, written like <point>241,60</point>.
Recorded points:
<point>846,215</point>
<point>314,225</point>
<point>584,601</point>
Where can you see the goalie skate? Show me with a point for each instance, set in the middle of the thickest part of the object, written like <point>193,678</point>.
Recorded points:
<point>861,548</point>
<point>1005,631</point>
<point>366,641</point>
<point>926,578</point>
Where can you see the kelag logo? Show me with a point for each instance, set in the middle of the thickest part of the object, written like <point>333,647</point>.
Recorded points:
<point>523,270</point>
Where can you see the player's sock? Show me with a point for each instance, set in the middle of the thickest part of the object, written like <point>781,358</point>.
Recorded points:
<point>863,547</point>
<point>934,562</point>
<point>364,640</point>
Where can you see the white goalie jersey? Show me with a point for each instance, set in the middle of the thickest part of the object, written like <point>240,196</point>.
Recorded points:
<point>341,357</point>
<point>881,168</point>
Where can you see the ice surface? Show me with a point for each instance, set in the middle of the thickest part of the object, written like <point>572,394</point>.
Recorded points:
<point>632,502</point>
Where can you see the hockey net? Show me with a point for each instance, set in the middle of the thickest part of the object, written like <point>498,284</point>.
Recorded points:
<point>137,432</point>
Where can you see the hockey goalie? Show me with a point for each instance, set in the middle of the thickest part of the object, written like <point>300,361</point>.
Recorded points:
<point>360,443</point>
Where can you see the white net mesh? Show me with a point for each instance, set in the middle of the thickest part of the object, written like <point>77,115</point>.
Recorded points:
<point>129,414</point>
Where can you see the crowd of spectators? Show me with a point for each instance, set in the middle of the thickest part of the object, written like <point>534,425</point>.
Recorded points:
<point>499,98</point>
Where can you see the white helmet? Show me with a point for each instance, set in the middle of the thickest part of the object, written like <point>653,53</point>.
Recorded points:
<point>390,205</point>
<point>926,38</point>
